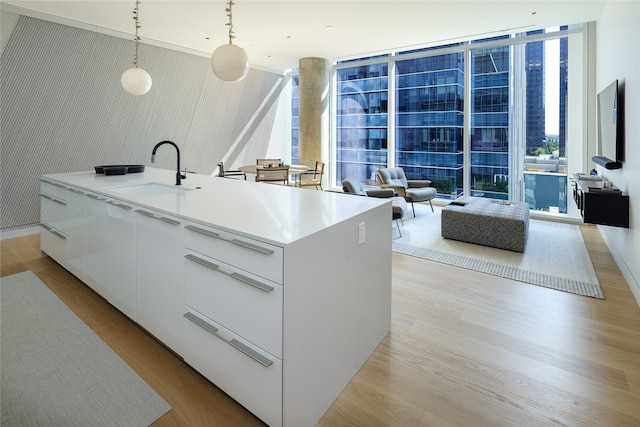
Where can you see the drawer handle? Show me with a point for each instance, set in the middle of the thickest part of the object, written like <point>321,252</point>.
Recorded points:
<point>53,199</point>
<point>53,230</point>
<point>264,361</point>
<point>93,196</point>
<point>262,286</point>
<point>249,281</point>
<point>169,220</point>
<point>120,205</point>
<point>203,262</point>
<point>242,243</point>
<point>145,213</point>
<point>159,218</point>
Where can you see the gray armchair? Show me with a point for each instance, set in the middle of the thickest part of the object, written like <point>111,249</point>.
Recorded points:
<point>411,190</point>
<point>353,185</point>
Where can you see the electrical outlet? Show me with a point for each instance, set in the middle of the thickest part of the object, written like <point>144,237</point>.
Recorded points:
<point>362,227</point>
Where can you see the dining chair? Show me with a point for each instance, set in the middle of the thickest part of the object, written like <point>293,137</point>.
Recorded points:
<point>268,162</point>
<point>229,174</point>
<point>311,177</point>
<point>273,175</point>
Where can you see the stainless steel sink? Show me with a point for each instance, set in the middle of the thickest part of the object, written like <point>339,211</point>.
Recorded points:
<point>150,189</point>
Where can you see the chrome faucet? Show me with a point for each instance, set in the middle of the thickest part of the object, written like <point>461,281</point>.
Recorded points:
<point>179,176</point>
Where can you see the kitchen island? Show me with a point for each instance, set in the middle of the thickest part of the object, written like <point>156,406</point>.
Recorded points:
<point>277,295</point>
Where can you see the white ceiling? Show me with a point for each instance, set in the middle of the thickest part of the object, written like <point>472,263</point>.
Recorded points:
<point>276,34</point>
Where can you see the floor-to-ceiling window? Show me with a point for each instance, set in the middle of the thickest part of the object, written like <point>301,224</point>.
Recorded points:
<point>491,141</point>
<point>545,174</point>
<point>506,141</point>
<point>429,119</point>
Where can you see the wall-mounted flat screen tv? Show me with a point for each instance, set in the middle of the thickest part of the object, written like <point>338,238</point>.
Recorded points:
<point>610,135</point>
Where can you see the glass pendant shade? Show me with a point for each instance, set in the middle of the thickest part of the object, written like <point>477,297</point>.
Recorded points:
<point>136,81</point>
<point>230,63</point>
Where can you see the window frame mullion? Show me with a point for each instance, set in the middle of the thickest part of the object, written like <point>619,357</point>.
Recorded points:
<point>391,111</point>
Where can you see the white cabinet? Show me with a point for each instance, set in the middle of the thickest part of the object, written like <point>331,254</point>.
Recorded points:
<point>278,333</point>
<point>111,251</point>
<point>234,316</point>
<point>98,264</point>
<point>248,254</point>
<point>160,276</point>
<point>121,253</point>
<point>246,303</point>
<point>280,314</point>
<point>75,228</point>
<point>239,368</point>
<point>53,215</point>
<point>63,218</point>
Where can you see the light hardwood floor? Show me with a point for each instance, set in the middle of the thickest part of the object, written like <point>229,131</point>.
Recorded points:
<point>465,349</point>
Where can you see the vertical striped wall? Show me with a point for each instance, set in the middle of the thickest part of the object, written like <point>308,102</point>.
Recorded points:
<point>63,110</point>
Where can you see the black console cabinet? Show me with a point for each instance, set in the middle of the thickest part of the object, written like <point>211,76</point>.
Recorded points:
<point>599,206</point>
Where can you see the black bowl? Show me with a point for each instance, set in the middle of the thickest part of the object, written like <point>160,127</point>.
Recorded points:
<point>130,169</point>
<point>115,170</point>
<point>136,168</point>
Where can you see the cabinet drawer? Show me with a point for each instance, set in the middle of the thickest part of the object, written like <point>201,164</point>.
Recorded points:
<point>259,258</point>
<point>54,243</point>
<point>221,356</point>
<point>53,210</point>
<point>160,276</point>
<point>53,189</point>
<point>247,304</point>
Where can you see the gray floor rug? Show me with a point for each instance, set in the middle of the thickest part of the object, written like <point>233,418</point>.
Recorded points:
<point>56,372</point>
<point>555,255</point>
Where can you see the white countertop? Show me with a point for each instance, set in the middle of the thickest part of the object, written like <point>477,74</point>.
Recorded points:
<point>274,213</point>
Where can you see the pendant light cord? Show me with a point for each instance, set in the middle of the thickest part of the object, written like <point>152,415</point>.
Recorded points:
<point>230,23</point>
<point>136,18</point>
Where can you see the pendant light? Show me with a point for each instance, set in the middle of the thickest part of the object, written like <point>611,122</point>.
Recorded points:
<point>230,62</point>
<point>136,81</point>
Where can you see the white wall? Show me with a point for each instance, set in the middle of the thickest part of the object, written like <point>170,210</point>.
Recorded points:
<point>617,39</point>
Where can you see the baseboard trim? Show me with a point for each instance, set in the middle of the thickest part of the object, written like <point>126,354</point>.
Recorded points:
<point>633,284</point>
<point>21,231</point>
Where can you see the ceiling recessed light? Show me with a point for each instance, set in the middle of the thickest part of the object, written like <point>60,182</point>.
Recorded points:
<point>329,28</point>
<point>533,13</point>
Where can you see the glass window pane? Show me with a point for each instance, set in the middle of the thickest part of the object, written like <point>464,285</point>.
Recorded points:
<point>430,120</point>
<point>361,122</point>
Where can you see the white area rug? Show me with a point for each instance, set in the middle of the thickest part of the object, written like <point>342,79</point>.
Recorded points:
<point>57,372</point>
<point>555,255</point>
